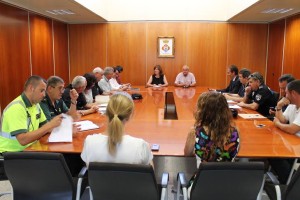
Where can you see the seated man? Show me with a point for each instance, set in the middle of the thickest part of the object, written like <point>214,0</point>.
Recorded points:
<point>96,90</point>
<point>104,82</point>
<point>234,85</point>
<point>115,84</point>
<point>185,78</point>
<point>257,95</point>
<point>243,77</point>
<point>79,84</point>
<point>289,122</point>
<point>53,105</point>
<point>283,102</point>
<point>23,120</point>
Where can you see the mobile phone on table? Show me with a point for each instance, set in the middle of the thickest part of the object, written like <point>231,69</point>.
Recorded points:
<point>155,147</point>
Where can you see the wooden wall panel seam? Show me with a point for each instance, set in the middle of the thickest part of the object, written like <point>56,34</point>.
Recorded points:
<point>53,50</point>
<point>283,47</point>
<point>69,63</point>
<point>29,46</point>
<point>267,54</point>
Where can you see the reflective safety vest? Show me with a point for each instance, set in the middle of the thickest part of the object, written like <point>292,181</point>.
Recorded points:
<point>9,143</point>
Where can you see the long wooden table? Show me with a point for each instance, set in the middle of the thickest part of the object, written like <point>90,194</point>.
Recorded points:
<point>148,123</point>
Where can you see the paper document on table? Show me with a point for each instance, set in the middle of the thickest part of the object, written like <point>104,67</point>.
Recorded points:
<point>230,101</point>
<point>252,116</point>
<point>234,106</point>
<point>86,125</point>
<point>62,133</point>
<point>101,99</point>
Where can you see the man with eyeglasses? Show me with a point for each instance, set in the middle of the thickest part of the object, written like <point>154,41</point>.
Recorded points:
<point>53,104</point>
<point>257,95</point>
<point>23,121</point>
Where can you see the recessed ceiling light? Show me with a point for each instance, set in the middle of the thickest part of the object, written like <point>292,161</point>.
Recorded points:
<point>277,10</point>
<point>60,12</point>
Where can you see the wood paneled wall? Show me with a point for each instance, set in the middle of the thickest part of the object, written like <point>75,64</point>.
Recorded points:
<point>283,51</point>
<point>291,49</point>
<point>275,53</point>
<point>14,52</point>
<point>87,48</point>
<point>202,46</point>
<point>27,48</point>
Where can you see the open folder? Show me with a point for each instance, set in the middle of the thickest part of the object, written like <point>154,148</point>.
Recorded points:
<point>62,133</point>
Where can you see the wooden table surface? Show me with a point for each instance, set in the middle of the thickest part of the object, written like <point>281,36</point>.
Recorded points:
<point>148,123</point>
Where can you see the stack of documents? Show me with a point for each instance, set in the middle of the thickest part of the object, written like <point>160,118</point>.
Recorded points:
<point>62,133</point>
<point>99,99</point>
<point>102,108</point>
<point>86,125</point>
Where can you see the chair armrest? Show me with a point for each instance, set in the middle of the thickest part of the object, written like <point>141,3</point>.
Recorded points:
<point>273,178</point>
<point>181,178</point>
<point>82,172</point>
<point>164,180</point>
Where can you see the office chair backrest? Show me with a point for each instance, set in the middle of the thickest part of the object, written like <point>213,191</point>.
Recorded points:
<point>116,181</point>
<point>292,191</point>
<point>228,180</point>
<point>39,176</point>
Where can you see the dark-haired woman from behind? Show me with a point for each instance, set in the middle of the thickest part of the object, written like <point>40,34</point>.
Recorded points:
<point>214,137</point>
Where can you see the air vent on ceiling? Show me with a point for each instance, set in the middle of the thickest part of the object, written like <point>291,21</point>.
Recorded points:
<point>277,10</point>
<point>60,12</point>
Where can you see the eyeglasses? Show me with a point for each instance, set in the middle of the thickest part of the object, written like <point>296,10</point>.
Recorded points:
<point>61,88</point>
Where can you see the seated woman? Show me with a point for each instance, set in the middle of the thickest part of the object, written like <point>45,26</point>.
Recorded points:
<point>91,80</point>
<point>158,79</point>
<point>116,146</point>
<point>214,137</point>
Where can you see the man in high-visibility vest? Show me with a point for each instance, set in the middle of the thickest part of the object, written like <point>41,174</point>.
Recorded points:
<point>23,121</point>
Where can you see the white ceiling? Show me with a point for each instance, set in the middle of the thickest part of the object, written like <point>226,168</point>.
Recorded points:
<point>97,11</point>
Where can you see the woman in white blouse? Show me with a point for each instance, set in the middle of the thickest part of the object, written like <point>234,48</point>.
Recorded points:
<point>116,146</point>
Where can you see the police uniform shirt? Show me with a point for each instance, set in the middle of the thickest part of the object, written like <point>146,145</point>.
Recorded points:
<point>264,98</point>
<point>51,111</point>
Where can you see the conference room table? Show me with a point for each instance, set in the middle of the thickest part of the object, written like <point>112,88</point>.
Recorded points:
<point>148,123</point>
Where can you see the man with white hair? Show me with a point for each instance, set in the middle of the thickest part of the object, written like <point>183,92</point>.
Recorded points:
<point>185,78</point>
<point>79,84</point>
<point>104,82</point>
<point>96,90</point>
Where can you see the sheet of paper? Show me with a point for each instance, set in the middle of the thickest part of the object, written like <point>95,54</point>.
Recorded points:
<point>86,125</point>
<point>62,133</point>
<point>101,99</point>
<point>252,116</point>
<point>234,106</point>
<point>230,101</point>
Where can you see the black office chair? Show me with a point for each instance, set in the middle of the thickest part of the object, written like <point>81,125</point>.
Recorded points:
<point>284,192</point>
<point>224,180</point>
<point>36,175</point>
<point>3,176</point>
<point>116,181</point>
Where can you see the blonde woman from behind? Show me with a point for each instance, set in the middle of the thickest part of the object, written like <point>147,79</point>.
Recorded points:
<point>116,146</point>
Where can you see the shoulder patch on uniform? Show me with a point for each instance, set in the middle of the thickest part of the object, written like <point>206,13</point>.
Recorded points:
<point>258,97</point>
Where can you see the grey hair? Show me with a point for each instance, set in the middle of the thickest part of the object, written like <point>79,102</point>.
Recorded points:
<point>78,81</point>
<point>54,80</point>
<point>98,70</point>
<point>108,70</point>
